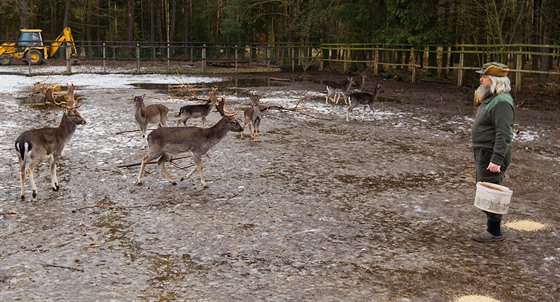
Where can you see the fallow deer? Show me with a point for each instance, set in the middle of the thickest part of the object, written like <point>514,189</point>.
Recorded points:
<point>252,117</point>
<point>363,77</point>
<point>151,114</point>
<point>164,143</point>
<point>34,145</point>
<point>335,94</point>
<point>199,110</point>
<point>362,98</point>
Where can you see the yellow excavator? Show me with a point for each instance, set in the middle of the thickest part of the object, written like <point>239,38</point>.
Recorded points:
<point>31,49</point>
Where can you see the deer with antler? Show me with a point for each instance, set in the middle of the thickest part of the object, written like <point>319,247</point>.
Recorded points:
<point>34,145</point>
<point>151,114</point>
<point>335,94</point>
<point>164,143</point>
<point>198,110</point>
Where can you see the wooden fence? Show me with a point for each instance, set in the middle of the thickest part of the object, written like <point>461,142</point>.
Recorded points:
<point>442,63</point>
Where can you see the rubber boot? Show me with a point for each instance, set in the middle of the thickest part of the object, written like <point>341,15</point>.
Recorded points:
<point>493,224</point>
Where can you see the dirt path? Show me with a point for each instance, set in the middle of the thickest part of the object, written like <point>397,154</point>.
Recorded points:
<point>378,209</point>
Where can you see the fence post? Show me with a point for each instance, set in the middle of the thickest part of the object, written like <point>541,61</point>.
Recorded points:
<point>104,65</point>
<point>293,55</point>
<point>236,57</point>
<point>412,64</point>
<point>375,62</point>
<point>519,67</point>
<point>168,58</point>
<point>439,60</point>
<point>204,58</point>
<point>460,70</point>
<point>426,60</point>
<point>321,67</point>
<point>137,57</point>
<point>68,59</point>
<point>266,55</point>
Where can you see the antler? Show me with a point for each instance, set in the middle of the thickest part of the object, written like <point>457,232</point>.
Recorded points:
<point>224,113</point>
<point>70,100</point>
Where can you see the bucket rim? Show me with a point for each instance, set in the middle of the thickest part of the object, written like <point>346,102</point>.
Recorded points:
<point>496,187</point>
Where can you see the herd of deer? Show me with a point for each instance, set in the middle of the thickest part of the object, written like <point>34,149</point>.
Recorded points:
<point>353,98</point>
<point>163,143</point>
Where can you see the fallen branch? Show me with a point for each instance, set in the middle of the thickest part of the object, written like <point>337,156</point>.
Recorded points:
<point>153,162</point>
<point>65,267</point>
<point>296,109</point>
<point>106,206</point>
<point>127,131</point>
<point>279,79</point>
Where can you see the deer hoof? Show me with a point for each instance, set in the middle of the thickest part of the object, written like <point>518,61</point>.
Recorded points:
<point>56,188</point>
<point>139,183</point>
<point>34,193</point>
<point>22,196</point>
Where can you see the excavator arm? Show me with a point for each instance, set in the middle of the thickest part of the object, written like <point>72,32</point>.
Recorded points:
<point>64,37</point>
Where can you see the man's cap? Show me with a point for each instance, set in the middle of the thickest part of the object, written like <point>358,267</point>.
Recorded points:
<point>494,69</point>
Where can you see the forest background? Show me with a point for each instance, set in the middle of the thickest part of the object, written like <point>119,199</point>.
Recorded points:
<point>501,24</point>
<point>310,21</point>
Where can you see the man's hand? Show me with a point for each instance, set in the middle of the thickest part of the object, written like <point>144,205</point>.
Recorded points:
<point>492,167</point>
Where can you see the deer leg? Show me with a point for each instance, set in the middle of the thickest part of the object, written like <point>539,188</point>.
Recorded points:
<point>32,179</point>
<point>139,180</point>
<point>161,163</point>
<point>200,168</point>
<point>22,178</point>
<point>371,107</point>
<point>145,160</point>
<point>189,174</point>
<point>54,179</point>
<point>203,121</point>
<point>242,135</point>
<point>256,128</point>
<point>251,132</point>
<point>348,112</point>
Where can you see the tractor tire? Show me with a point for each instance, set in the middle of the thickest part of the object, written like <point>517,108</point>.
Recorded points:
<point>34,57</point>
<point>5,59</point>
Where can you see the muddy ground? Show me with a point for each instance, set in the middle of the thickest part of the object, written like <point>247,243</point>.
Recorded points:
<point>378,209</point>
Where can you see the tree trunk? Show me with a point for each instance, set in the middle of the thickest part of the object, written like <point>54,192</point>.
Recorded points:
<point>172,16</point>
<point>130,20</point>
<point>537,4</point>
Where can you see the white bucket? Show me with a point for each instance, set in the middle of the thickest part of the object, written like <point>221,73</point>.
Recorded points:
<point>492,198</point>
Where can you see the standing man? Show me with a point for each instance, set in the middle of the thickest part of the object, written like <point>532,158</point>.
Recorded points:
<point>492,133</point>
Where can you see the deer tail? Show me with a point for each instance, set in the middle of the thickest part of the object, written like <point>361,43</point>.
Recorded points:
<point>23,148</point>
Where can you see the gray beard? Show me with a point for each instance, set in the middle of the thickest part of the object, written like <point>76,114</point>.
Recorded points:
<point>482,92</point>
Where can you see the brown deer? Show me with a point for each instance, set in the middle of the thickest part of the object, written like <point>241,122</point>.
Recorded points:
<point>335,94</point>
<point>164,143</point>
<point>199,110</point>
<point>362,98</point>
<point>151,114</point>
<point>252,117</point>
<point>34,145</point>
